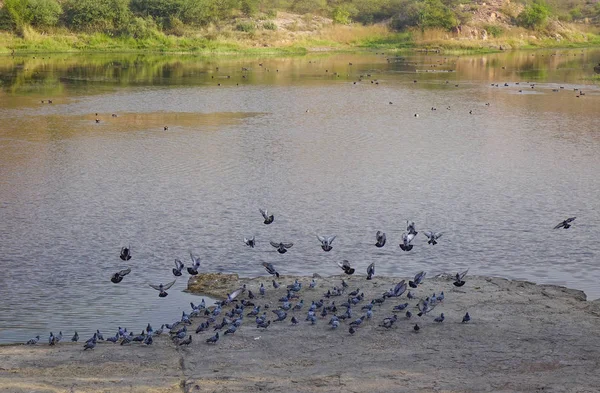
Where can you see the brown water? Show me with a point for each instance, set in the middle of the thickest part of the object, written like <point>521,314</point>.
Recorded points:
<point>299,137</point>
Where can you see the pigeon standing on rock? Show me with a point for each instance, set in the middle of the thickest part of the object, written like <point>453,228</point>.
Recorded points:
<point>370,271</point>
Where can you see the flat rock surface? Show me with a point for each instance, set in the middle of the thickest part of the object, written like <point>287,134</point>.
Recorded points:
<point>522,338</point>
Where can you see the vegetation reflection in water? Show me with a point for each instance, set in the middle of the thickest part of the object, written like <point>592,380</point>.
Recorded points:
<point>65,75</point>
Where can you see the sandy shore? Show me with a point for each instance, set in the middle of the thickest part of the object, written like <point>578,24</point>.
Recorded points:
<point>522,338</point>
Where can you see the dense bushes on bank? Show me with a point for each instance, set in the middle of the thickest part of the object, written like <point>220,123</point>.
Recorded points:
<point>141,18</point>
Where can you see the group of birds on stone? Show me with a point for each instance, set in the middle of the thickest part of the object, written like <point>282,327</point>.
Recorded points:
<point>233,319</point>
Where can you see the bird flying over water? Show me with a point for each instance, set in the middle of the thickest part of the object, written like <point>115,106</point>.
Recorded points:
<point>162,288</point>
<point>406,239</point>
<point>326,242</point>
<point>193,270</point>
<point>268,218</point>
<point>270,269</point>
<point>282,247</point>
<point>380,237</point>
<point>125,253</point>
<point>410,227</point>
<point>566,224</point>
<point>345,266</point>
<point>118,276</point>
<point>250,242</point>
<point>433,236</point>
<point>178,267</point>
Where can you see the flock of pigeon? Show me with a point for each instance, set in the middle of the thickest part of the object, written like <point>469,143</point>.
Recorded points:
<point>321,309</point>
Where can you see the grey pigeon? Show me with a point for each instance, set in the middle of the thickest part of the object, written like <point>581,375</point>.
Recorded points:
<point>370,271</point>
<point>440,319</point>
<point>75,337</point>
<point>33,341</point>
<point>433,236</point>
<point>326,242</point>
<point>178,267</point>
<point>193,270</point>
<point>250,242</point>
<point>380,237</point>
<point>125,253</point>
<point>459,278</point>
<point>281,247</point>
<point>270,269</point>
<point>118,276</point>
<point>419,277</point>
<point>406,239</point>
<point>566,224</point>
<point>466,318</point>
<point>187,341</point>
<point>162,288</point>
<point>268,218</point>
<point>345,266</point>
<point>213,339</point>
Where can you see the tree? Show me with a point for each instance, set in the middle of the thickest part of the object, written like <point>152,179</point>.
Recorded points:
<point>534,15</point>
<point>111,16</point>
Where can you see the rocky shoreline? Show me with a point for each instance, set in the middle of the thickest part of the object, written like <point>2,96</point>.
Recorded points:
<point>522,337</point>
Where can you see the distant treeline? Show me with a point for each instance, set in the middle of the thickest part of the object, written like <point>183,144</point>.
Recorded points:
<point>138,18</point>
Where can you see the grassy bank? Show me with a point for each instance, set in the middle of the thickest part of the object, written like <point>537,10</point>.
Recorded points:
<point>330,38</point>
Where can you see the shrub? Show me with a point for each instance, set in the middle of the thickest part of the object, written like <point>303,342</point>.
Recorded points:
<point>269,25</point>
<point>534,15</point>
<point>249,7</point>
<point>44,13</point>
<point>494,30</point>
<point>247,27</point>
<point>97,15</point>
<point>341,15</point>
<point>434,14</point>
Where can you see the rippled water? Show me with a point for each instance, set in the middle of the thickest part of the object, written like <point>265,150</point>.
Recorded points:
<point>298,137</point>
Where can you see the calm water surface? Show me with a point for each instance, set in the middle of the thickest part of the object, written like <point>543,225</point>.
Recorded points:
<point>299,137</point>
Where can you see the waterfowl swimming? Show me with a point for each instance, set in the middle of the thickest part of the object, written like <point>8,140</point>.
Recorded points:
<point>433,236</point>
<point>282,247</point>
<point>250,242</point>
<point>178,267</point>
<point>380,237</point>
<point>326,242</point>
<point>268,218</point>
<point>566,223</point>
<point>406,239</point>
<point>162,288</point>
<point>345,266</point>
<point>193,270</point>
<point>125,253</point>
<point>118,276</point>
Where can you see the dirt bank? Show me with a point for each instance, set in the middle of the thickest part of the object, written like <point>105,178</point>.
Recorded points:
<point>522,338</point>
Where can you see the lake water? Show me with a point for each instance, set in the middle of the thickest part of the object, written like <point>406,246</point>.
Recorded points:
<point>299,137</point>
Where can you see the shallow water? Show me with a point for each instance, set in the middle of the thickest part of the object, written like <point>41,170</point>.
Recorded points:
<point>298,137</point>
